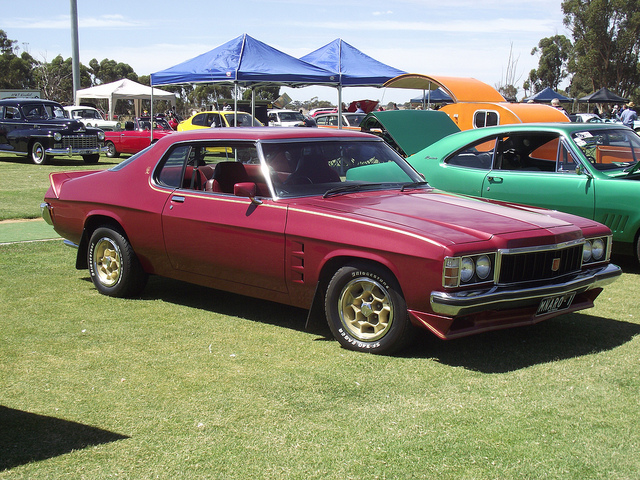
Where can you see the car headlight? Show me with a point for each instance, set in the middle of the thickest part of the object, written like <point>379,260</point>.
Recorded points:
<point>586,252</point>
<point>598,249</point>
<point>101,135</point>
<point>483,267</point>
<point>57,136</point>
<point>467,270</point>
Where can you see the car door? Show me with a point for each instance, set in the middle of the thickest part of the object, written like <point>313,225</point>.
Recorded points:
<point>220,235</point>
<point>464,171</point>
<point>12,121</point>
<point>546,176</point>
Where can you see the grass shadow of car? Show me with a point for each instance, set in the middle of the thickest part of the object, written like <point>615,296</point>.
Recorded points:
<point>226,303</point>
<point>564,337</point>
<point>568,336</point>
<point>628,263</point>
<point>27,437</point>
<point>59,161</point>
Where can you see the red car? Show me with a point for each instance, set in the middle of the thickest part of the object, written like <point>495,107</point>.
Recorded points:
<point>136,136</point>
<point>328,220</point>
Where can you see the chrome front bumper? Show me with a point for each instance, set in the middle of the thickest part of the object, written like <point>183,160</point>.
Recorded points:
<point>69,151</point>
<point>453,304</point>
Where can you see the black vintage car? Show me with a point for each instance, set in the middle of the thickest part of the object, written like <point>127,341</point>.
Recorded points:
<point>37,128</point>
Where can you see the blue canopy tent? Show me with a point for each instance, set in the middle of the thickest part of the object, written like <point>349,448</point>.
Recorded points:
<point>546,95</point>
<point>351,67</point>
<point>247,62</point>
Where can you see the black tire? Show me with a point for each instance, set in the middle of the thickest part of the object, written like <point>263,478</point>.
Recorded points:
<point>638,248</point>
<point>111,150</point>
<point>366,311</point>
<point>37,153</point>
<point>113,265</point>
<point>91,159</point>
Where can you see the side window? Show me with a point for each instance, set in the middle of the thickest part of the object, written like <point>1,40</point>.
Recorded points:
<point>214,120</point>
<point>566,160</point>
<point>33,111</point>
<point>200,120</point>
<point>170,174</point>
<point>13,112</point>
<point>479,155</point>
<point>213,167</point>
<point>485,118</point>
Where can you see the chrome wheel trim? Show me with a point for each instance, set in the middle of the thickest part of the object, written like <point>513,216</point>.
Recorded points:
<point>37,153</point>
<point>111,149</point>
<point>107,262</point>
<point>366,309</point>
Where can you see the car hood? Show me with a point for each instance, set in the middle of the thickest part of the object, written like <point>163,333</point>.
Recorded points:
<point>453,219</point>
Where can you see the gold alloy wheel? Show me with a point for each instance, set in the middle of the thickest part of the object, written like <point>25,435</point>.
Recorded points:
<point>107,262</point>
<point>366,309</point>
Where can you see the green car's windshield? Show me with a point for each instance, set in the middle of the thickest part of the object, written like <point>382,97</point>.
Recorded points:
<point>302,168</point>
<point>615,148</point>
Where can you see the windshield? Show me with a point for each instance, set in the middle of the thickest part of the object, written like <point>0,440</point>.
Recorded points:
<point>609,149</point>
<point>291,117</point>
<point>301,168</point>
<point>355,119</point>
<point>87,113</point>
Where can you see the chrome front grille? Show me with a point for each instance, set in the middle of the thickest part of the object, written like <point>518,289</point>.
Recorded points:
<point>77,142</point>
<point>518,266</point>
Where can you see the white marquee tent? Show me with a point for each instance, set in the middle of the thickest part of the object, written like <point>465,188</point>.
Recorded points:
<point>125,89</point>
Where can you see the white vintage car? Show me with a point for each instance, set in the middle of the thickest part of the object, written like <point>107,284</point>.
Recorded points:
<point>91,117</point>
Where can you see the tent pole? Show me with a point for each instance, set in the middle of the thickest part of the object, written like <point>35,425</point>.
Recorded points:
<point>339,106</point>
<point>151,113</point>
<point>253,105</point>
<point>235,104</point>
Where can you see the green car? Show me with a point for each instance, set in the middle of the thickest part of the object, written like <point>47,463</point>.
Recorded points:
<point>584,169</point>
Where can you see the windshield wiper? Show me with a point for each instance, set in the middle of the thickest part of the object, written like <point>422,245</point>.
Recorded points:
<point>414,185</point>
<point>348,188</point>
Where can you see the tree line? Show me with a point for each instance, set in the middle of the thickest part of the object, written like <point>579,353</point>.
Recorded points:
<point>603,51</point>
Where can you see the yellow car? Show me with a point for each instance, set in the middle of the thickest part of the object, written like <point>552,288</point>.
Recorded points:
<point>218,119</point>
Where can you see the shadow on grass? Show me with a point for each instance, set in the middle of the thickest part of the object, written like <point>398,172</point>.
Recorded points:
<point>226,303</point>
<point>628,263</point>
<point>27,437</point>
<point>568,336</point>
<point>59,161</point>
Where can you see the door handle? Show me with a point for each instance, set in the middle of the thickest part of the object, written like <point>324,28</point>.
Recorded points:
<point>177,199</point>
<point>495,179</point>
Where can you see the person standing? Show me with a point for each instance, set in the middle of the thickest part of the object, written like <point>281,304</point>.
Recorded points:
<point>555,103</point>
<point>628,115</point>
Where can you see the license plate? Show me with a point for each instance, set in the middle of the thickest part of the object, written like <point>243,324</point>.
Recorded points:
<point>556,303</point>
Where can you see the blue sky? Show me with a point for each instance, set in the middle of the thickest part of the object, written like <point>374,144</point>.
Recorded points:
<point>464,38</point>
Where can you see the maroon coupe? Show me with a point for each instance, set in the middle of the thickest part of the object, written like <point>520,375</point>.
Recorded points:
<point>328,220</point>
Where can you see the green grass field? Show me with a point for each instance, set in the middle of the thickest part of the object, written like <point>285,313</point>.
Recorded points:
<point>187,382</point>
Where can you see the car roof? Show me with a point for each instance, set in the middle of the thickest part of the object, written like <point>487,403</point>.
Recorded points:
<point>467,136</point>
<point>265,133</point>
<point>26,101</point>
